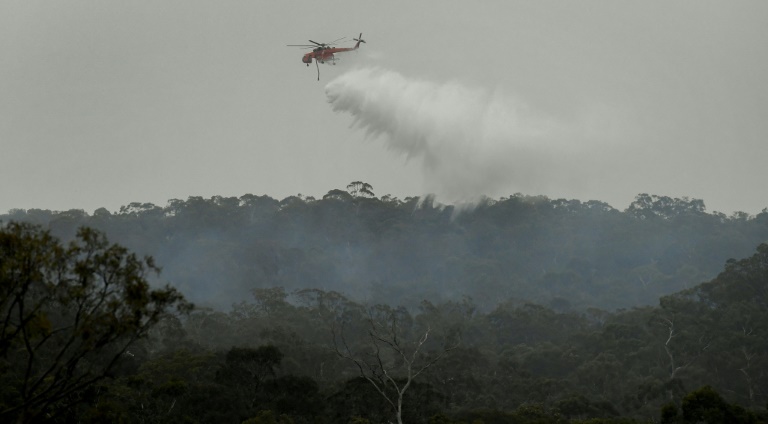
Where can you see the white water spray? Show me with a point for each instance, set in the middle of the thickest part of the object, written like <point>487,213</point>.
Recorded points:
<point>471,142</point>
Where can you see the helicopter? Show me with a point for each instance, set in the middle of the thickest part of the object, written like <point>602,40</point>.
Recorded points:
<point>323,52</point>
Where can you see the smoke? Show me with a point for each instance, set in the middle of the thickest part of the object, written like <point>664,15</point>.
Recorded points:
<point>469,141</point>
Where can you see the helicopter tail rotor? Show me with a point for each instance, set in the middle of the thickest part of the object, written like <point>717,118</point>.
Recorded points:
<point>359,40</point>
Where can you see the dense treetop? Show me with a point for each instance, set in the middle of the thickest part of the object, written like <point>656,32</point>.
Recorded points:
<point>558,252</point>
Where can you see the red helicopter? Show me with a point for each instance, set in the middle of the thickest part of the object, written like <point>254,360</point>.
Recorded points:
<point>323,52</point>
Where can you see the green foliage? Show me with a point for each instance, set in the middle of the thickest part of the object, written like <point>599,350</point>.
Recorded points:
<point>518,281</point>
<point>251,365</point>
<point>440,419</point>
<point>268,417</point>
<point>69,315</point>
<point>563,253</point>
<point>707,406</point>
<point>669,414</point>
<point>578,406</point>
<point>524,414</point>
<point>106,413</point>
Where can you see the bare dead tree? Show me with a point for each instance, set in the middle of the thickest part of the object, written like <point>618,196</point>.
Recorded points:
<point>694,352</point>
<point>392,360</point>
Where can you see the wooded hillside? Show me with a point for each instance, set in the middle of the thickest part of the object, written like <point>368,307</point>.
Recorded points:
<point>565,254</point>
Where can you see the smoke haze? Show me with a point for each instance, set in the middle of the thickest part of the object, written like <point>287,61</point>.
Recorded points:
<point>468,141</point>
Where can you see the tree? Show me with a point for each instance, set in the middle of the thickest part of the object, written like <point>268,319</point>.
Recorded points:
<point>165,387</point>
<point>250,367</point>
<point>268,417</point>
<point>360,189</point>
<point>688,336</point>
<point>69,315</point>
<point>705,405</point>
<point>395,354</point>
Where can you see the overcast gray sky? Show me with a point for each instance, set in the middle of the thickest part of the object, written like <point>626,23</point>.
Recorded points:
<point>103,103</point>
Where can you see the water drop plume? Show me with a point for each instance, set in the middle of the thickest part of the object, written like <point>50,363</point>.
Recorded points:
<point>470,142</point>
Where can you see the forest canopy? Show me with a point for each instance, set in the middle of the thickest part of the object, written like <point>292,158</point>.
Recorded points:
<point>305,356</point>
<point>556,252</point>
<point>359,309</point>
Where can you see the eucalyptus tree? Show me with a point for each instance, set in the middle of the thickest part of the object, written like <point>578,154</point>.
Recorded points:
<point>68,315</point>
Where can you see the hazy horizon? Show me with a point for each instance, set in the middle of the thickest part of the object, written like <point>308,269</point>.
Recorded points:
<point>104,104</point>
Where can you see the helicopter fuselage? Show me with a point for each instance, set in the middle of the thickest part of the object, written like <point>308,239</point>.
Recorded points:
<point>322,52</point>
<point>324,55</point>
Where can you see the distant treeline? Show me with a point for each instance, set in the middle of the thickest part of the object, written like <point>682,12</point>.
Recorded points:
<point>565,254</point>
